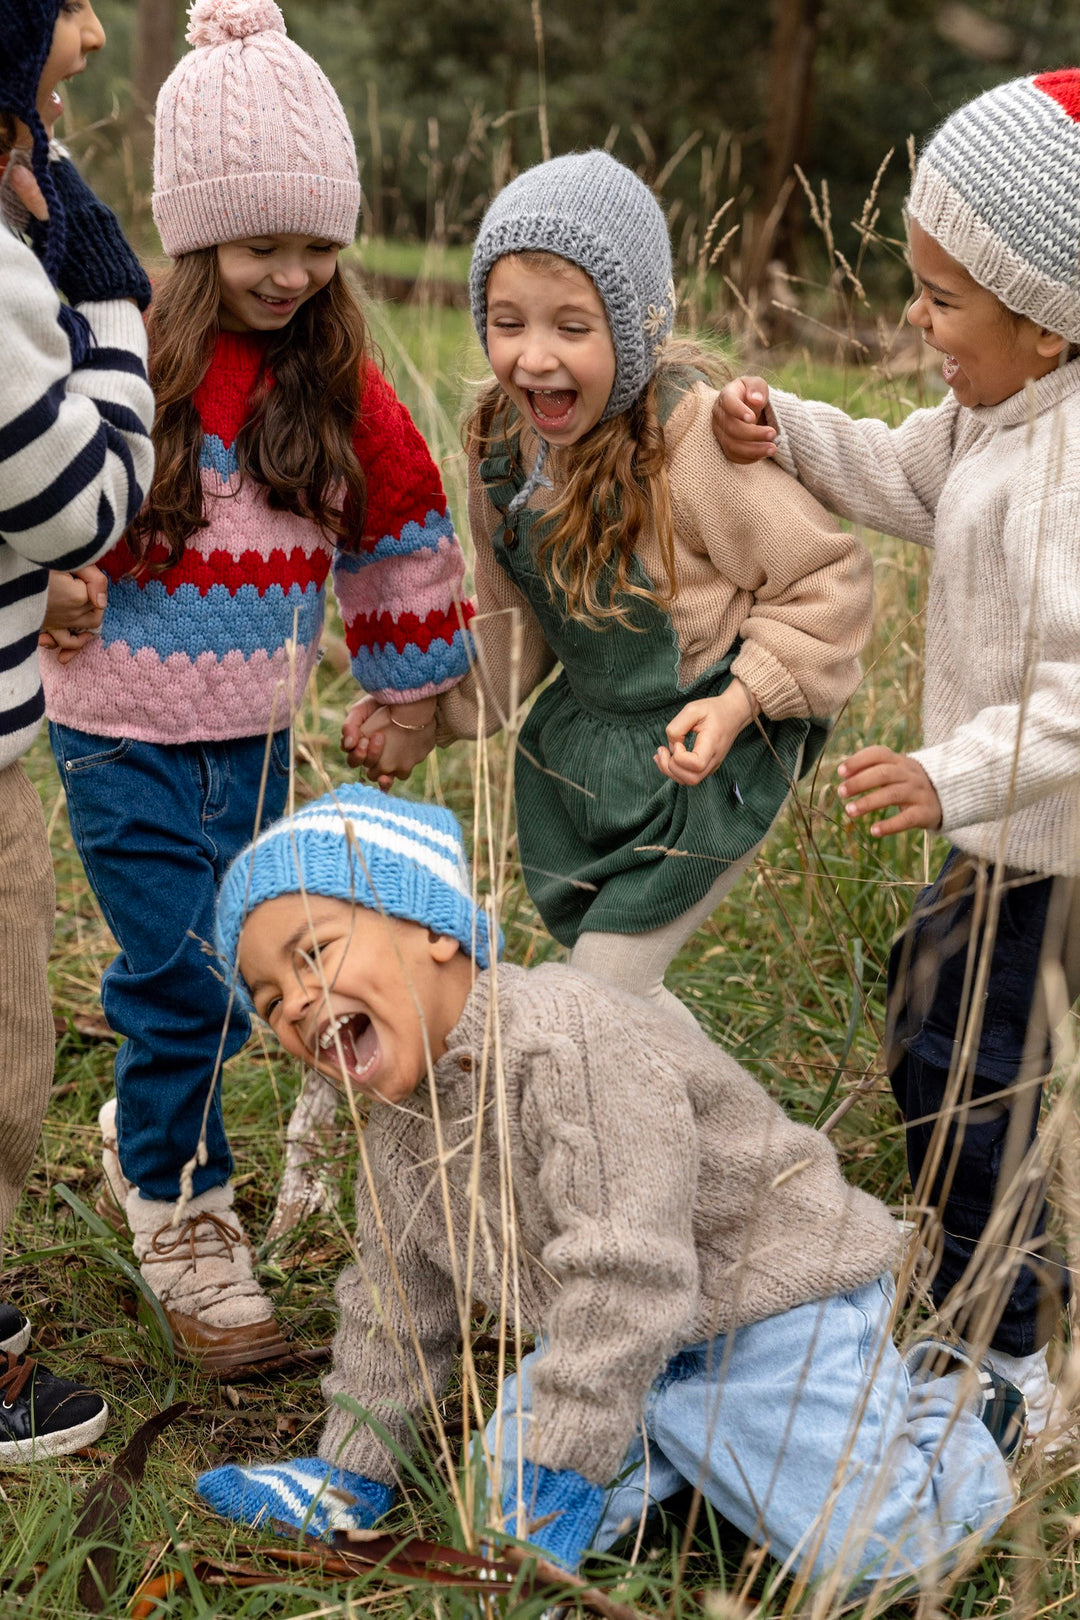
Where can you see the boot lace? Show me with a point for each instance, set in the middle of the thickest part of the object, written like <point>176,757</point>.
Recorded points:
<point>200,1237</point>
<point>14,1378</point>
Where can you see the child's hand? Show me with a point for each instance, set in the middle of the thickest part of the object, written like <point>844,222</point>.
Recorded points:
<point>23,183</point>
<point>717,722</point>
<point>738,421</point>
<point>388,741</point>
<point>885,778</point>
<point>357,737</point>
<point>74,609</point>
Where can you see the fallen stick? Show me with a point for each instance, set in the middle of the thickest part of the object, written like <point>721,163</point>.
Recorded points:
<point>358,1553</point>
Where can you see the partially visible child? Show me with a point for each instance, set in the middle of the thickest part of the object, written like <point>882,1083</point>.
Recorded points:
<point>990,479</point>
<point>75,461</point>
<point>700,1276</point>
<point>284,458</point>
<point>708,621</point>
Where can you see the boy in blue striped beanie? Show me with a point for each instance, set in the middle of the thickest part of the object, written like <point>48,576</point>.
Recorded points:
<point>632,1193</point>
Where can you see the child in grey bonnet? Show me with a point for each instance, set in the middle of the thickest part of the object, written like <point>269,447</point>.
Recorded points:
<point>703,1284</point>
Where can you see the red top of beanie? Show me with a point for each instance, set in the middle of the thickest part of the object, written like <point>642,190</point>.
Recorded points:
<point>1064,86</point>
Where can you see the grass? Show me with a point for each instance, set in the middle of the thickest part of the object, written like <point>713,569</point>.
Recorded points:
<point>788,975</point>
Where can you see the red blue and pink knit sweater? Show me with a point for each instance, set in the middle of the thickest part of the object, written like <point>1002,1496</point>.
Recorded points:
<point>221,645</point>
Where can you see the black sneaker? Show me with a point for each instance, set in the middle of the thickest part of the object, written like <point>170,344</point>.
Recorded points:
<point>44,1416</point>
<point>1002,1406</point>
<point>14,1331</point>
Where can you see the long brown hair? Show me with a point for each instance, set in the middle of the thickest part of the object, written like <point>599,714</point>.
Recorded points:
<point>297,439</point>
<point>616,486</point>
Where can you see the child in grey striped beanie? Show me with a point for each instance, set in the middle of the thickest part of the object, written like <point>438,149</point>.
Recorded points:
<point>991,480</point>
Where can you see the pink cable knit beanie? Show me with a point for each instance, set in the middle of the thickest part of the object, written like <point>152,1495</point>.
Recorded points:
<point>251,137</point>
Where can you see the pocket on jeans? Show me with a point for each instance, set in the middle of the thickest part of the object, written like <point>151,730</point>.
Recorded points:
<point>279,754</point>
<point>81,750</point>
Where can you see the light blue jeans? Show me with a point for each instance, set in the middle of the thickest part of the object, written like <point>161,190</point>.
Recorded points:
<point>805,1433</point>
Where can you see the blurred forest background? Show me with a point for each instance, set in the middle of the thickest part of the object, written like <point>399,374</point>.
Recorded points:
<point>710,100</point>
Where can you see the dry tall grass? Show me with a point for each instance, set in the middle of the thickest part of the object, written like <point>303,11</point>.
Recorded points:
<point>788,975</point>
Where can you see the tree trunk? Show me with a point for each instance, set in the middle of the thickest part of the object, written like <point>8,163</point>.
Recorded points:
<point>156,26</point>
<point>790,86</point>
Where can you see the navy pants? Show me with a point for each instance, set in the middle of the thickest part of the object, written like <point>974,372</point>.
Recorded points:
<point>971,1123</point>
<point>156,826</point>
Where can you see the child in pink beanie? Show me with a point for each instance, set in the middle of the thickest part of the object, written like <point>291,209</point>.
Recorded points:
<point>283,458</point>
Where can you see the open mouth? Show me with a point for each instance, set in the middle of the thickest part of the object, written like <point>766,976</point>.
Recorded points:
<point>350,1042</point>
<point>552,407</point>
<point>949,368</point>
<point>277,306</point>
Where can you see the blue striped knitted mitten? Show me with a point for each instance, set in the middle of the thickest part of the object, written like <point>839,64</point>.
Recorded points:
<point>577,1504</point>
<point>306,1493</point>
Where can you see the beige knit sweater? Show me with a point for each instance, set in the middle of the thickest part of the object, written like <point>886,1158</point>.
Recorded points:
<point>659,1196</point>
<point>755,557</point>
<point>996,491</point>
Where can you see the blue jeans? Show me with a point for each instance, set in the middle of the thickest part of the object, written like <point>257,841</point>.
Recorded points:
<point>974,1137</point>
<point>804,1432</point>
<point>156,826</point>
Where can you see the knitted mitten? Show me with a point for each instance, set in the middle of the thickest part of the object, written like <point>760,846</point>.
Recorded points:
<point>305,1494</point>
<point>577,1504</point>
<point>202,1267</point>
<point>98,263</point>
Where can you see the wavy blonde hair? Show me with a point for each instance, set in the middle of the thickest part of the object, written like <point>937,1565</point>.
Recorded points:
<point>617,485</point>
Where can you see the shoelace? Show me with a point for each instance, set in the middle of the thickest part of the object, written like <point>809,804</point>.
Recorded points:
<point>171,1243</point>
<point>15,1377</point>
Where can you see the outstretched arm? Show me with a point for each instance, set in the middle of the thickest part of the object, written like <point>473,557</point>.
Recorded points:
<point>887,478</point>
<point>400,581</point>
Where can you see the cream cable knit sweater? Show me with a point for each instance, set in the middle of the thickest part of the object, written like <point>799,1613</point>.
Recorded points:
<point>659,1197</point>
<point>996,491</point>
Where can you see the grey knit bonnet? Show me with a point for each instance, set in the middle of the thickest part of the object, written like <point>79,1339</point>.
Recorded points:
<point>594,211</point>
<point>998,187</point>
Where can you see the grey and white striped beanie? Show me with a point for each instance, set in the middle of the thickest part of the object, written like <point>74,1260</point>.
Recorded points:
<point>998,187</point>
<point>589,208</point>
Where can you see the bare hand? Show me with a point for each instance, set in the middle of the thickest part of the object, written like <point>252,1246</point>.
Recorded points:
<point>738,421</point>
<point>885,778</point>
<point>356,736</point>
<point>383,750</point>
<point>74,609</point>
<point>716,723</point>
<point>24,184</point>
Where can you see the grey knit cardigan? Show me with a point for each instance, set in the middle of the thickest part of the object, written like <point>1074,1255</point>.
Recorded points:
<point>659,1197</point>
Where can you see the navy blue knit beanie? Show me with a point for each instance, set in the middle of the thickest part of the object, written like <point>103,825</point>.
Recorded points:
<point>26,28</point>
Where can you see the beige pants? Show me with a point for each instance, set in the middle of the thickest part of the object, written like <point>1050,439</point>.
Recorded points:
<point>27,1041</point>
<point>638,962</point>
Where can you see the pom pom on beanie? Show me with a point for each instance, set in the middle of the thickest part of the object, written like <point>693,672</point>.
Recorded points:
<point>215,22</point>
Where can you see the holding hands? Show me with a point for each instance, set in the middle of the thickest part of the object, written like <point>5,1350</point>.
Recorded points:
<point>875,778</point>
<point>388,741</point>
<point>715,722</point>
<point>74,609</point>
<point>738,421</point>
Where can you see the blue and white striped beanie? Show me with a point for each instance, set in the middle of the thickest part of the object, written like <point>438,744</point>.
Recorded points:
<point>390,855</point>
<point>998,187</point>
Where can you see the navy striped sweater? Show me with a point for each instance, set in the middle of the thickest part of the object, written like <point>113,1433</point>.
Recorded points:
<point>75,462</point>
